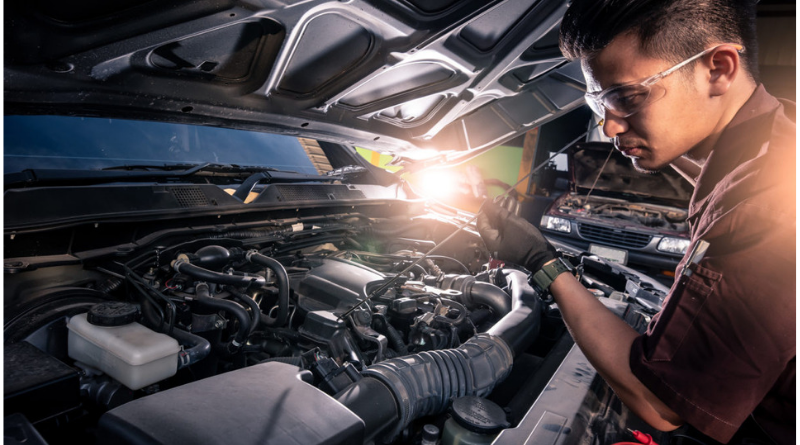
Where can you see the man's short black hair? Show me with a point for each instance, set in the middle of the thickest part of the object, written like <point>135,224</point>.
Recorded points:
<point>673,30</point>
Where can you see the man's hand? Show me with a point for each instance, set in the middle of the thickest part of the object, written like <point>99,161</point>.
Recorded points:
<point>514,239</point>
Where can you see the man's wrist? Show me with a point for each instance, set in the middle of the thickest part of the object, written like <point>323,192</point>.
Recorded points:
<point>545,276</point>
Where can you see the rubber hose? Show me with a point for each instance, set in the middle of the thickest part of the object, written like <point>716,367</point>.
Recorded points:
<point>283,288</point>
<point>255,311</point>
<point>109,285</point>
<point>372,402</point>
<point>489,295</point>
<point>196,348</point>
<point>475,292</point>
<point>394,337</point>
<point>425,383</point>
<point>521,311</point>
<point>520,327</point>
<point>216,277</point>
<point>203,298</point>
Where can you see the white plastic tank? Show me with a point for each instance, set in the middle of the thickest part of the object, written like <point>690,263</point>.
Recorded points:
<point>108,339</point>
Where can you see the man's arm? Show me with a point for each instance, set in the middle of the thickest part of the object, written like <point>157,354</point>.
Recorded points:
<point>606,341</point>
<point>602,336</point>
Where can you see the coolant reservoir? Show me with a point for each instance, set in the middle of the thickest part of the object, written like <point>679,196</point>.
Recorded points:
<point>475,421</point>
<point>108,339</point>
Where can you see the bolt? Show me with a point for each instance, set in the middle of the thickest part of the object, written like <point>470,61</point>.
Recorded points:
<point>218,324</point>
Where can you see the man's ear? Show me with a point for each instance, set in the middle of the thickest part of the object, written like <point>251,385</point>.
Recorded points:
<point>724,66</point>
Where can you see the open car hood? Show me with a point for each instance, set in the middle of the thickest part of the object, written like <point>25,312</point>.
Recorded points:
<point>589,170</point>
<point>410,78</point>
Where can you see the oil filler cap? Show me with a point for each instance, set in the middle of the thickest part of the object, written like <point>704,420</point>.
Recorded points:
<point>479,415</point>
<point>112,313</point>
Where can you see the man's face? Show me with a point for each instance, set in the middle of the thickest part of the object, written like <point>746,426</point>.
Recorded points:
<point>666,128</point>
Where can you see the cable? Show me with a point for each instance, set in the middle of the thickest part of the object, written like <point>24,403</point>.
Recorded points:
<point>683,436</point>
<point>610,152</point>
<point>391,281</point>
<point>134,277</point>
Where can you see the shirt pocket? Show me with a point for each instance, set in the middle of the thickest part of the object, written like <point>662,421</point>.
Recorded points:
<point>682,312</point>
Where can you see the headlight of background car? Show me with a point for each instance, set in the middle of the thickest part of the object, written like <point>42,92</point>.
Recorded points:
<point>557,224</point>
<point>673,245</point>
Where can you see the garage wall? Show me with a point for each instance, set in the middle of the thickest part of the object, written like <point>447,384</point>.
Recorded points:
<point>776,26</point>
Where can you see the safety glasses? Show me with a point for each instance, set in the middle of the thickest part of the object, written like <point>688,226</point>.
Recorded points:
<point>626,100</point>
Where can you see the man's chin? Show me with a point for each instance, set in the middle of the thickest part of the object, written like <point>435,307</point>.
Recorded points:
<point>640,167</point>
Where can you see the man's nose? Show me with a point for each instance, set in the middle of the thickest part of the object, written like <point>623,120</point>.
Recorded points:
<point>614,125</point>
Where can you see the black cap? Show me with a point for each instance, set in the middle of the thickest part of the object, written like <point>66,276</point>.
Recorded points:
<point>113,313</point>
<point>479,415</point>
<point>430,433</point>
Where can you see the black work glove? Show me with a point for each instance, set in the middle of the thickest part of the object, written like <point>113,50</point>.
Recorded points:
<point>514,239</point>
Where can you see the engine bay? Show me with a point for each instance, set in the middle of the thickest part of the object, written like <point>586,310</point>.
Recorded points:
<point>621,211</point>
<point>227,319</point>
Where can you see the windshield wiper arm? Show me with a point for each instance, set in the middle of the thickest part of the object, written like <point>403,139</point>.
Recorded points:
<point>159,167</point>
<point>39,177</point>
<point>46,176</point>
<point>278,176</point>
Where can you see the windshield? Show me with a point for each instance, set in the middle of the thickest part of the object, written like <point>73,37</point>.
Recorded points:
<point>66,142</point>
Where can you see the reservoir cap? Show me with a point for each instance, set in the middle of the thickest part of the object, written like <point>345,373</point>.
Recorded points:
<point>112,313</point>
<point>479,415</point>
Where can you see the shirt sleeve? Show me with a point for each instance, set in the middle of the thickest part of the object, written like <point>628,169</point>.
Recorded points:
<point>726,331</point>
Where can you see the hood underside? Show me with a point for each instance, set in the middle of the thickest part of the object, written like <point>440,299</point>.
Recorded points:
<point>394,76</point>
<point>597,166</point>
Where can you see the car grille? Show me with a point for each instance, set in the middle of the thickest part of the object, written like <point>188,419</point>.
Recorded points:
<point>614,237</point>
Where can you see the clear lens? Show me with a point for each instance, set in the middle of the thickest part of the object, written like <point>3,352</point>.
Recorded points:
<point>626,100</point>
<point>555,223</point>
<point>673,245</point>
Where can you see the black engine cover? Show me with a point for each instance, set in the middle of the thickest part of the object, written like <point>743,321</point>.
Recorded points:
<point>262,404</point>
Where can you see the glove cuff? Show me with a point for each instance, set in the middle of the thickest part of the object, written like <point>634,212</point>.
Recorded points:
<point>540,258</point>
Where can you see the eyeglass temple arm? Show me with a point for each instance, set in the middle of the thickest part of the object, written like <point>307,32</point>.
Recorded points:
<point>656,78</point>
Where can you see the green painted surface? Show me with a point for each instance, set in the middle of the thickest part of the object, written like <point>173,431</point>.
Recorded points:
<point>451,185</point>
<point>501,162</point>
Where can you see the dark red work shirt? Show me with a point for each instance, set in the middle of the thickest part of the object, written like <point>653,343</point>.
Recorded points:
<point>723,346</point>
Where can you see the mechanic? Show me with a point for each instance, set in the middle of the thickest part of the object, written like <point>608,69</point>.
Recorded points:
<point>676,84</point>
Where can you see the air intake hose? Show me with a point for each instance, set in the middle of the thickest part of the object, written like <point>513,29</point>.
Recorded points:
<point>397,391</point>
<point>474,292</point>
<point>520,327</point>
<point>521,311</point>
<point>425,383</point>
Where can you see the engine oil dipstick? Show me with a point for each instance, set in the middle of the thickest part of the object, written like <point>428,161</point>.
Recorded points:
<point>392,280</point>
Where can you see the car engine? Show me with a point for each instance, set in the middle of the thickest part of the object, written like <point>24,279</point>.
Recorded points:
<point>237,333</point>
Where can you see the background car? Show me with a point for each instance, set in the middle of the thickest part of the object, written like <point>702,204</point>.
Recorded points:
<point>618,213</point>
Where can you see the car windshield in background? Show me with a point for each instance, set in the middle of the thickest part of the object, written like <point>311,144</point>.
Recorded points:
<point>63,142</point>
